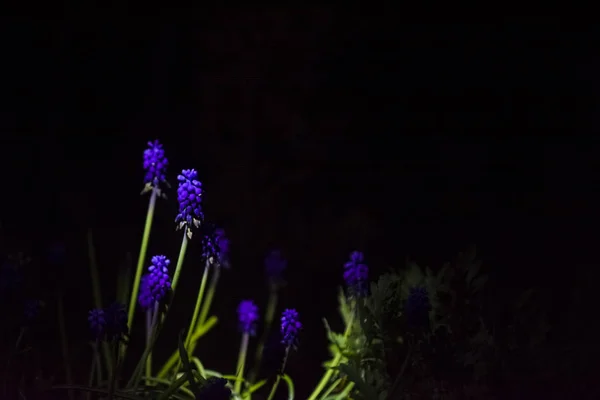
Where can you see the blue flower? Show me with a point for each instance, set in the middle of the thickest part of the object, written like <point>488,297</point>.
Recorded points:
<point>157,282</point>
<point>275,264</point>
<point>97,323</point>
<point>155,164</point>
<point>215,248</point>
<point>214,389</point>
<point>290,327</point>
<point>417,307</point>
<point>247,316</point>
<point>356,274</point>
<point>189,195</point>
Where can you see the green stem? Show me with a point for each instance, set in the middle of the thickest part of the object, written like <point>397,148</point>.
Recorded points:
<point>338,357</point>
<point>64,342</point>
<point>241,363</point>
<point>331,388</point>
<point>196,310</point>
<point>269,315</point>
<point>175,355</point>
<point>140,264</point>
<point>150,322</point>
<point>276,384</point>
<point>209,296</point>
<point>113,376</point>
<point>182,250</point>
<point>97,296</point>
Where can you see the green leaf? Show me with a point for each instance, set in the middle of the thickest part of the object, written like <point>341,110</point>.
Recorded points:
<point>186,363</point>
<point>367,391</point>
<point>336,338</point>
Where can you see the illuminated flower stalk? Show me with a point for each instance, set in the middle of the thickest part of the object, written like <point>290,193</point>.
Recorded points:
<point>189,195</point>
<point>247,317</point>
<point>155,166</point>
<point>356,274</point>
<point>215,252</point>
<point>154,286</point>
<point>290,328</point>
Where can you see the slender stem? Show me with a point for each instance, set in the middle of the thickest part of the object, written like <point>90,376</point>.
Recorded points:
<point>140,264</point>
<point>196,309</point>
<point>209,296</point>
<point>241,363</point>
<point>182,250</point>
<point>274,388</point>
<point>149,325</point>
<point>64,342</point>
<point>276,384</point>
<point>269,315</point>
<point>175,355</point>
<point>113,376</point>
<point>338,357</point>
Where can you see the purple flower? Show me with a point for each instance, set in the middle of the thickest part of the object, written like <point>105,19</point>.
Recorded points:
<point>214,389</point>
<point>356,274</point>
<point>275,264</point>
<point>417,307</point>
<point>157,282</point>
<point>290,327</point>
<point>248,315</point>
<point>155,163</point>
<point>115,316</point>
<point>145,299</point>
<point>215,248</point>
<point>189,195</point>
<point>97,323</point>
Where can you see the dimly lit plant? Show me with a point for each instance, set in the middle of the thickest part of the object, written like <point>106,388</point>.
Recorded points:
<point>395,328</point>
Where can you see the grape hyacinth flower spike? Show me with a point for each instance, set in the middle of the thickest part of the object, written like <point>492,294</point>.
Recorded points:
<point>156,283</point>
<point>356,274</point>
<point>247,317</point>
<point>155,165</point>
<point>215,248</point>
<point>290,327</point>
<point>189,195</point>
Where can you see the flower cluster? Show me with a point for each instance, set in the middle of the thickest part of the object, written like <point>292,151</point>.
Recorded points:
<point>356,274</point>
<point>290,327</point>
<point>275,264</point>
<point>189,195</point>
<point>417,307</point>
<point>109,323</point>
<point>156,283</point>
<point>247,316</point>
<point>155,164</point>
<point>215,248</point>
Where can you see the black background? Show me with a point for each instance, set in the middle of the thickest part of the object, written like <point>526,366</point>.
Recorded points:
<point>314,130</point>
